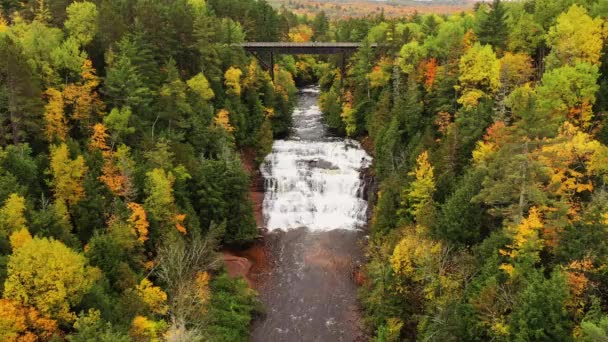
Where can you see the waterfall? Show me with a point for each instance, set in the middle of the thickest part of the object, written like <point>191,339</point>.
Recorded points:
<point>312,180</point>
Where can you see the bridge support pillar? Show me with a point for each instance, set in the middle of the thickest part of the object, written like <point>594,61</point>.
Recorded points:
<point>343,69</point>
<point>272,66</point>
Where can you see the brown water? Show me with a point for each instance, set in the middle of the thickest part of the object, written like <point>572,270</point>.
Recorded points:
<point>314,211</point>
<point>308,290</point>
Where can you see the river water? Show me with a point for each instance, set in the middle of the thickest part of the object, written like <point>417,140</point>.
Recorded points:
<point>314,211</point>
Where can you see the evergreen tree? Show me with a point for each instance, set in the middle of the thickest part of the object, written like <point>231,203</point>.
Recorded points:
<point>493,28</point>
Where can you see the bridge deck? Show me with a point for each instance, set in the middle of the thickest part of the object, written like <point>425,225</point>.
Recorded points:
<point>309,48</point>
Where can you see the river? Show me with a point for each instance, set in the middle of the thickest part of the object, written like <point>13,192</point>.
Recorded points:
<point>314,211</point>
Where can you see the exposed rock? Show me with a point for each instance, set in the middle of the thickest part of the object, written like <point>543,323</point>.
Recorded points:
<point>236,266</point>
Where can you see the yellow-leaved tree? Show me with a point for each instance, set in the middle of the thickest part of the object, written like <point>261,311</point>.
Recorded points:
<point>56,125</point>
<point>232,80</point>
<point>20,323</point>
<point>160,203</point>
<point>12,215</point>
<point>13,223</point>
<point>139,221</point>
<point>479,75</point>
<point>153,296</point>
<point>48,275</point>
<point>83,97</point>
<point>527,243</point>
<point>222,119</point>
<point>301,33</point>
<point>417,198</point>
<point>575,38</point>
<point>144,329</point>
<point>200,86</point>
<point>574,160</point>
<point>68,175</point>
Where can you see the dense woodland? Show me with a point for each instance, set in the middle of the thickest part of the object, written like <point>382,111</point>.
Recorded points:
<point>128,127</point>
<point>122,125</point>
<point>489,133</point>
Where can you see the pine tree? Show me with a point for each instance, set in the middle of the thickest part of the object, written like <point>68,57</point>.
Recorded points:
<point>493,29</point>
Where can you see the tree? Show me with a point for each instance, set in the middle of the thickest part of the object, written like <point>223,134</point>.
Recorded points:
<point>82,21</point>
<point>117,123</point>
<point>182,267</point>
<point>575,38</point>
<point>153,296</point>
<point>24,323</point>
<point>160,203</point>
<point>20,107</point>
<point>461,220</point>
<point>479,75</point>
<point>124,85</point>
<point>493,27</point>
<point>68,58</point>
<point>539,313</point>
<point>349,117</point>
<point>320,26</point>
<point>68,175</point>
<point>515,71</point>
<point>83,97</point>
<point>54,117</point>
<point>160,198</point>
<point>527,243</point>
<point>418,197</point>
<point>233,81</point>
<point>91,327</point>
<point>49,276</point>
<point>525,34</point>
<point>447,45</point>
<point>222,119</point>
<point>301,33</point>
<point>200,86</point>
<point>139,221</point>
<point>568,93</point>
<point>574,159</point>
<point>12,215</point>
<point>410,55</point>
<point>223,195</point>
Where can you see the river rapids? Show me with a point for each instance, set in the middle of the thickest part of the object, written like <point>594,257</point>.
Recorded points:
<point>314,210</point>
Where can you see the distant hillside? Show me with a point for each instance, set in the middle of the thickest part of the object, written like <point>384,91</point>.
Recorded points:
<point>358,8</point>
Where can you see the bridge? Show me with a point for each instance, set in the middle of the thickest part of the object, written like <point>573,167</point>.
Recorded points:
<point>262,49</point>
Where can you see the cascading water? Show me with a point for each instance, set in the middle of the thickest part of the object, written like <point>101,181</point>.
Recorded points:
<point>313,181</point>
<point>313,207</point>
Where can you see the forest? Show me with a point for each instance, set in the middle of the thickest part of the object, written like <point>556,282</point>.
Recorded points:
<point>122,125</point>
<point>128,126</point>
<point>489,132</point>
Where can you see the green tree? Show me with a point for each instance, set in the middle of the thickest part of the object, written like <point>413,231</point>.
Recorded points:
<point>223,195</point>
<point>568,93</point>
<point>461,220</point>
<point>20,105</point>
<point>540,313</point>
<point>82,21</point>
<point>493,27</point>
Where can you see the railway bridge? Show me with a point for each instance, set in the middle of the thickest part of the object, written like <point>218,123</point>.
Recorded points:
<point>265,51</point>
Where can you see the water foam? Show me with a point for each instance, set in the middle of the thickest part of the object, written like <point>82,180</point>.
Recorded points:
<point>312,181</point>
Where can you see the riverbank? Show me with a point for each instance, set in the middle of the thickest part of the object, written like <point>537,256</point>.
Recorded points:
<point>253,260</point>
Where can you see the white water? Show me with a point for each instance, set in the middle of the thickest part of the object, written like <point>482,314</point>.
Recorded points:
<point>313,181</point>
